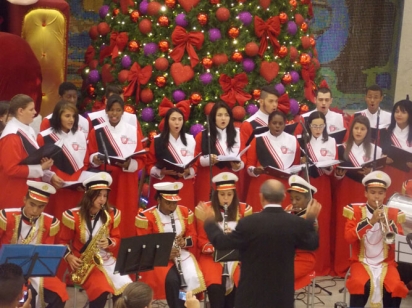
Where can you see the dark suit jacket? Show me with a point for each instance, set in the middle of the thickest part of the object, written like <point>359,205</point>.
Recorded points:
<point>267,243</point>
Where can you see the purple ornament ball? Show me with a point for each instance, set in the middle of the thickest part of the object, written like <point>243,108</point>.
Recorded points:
<point>248,65</point>
<point>178,95</point>
<point>143,6</point>
<point>126,61</point>
<point>295,76</point>
<point>195,129</point>
<point>280,88</point>
<point>214,34</point>
<point>94,76</point>
<point>206,78</point>
<point>150,49</point>
<point>181,20</point>
<point>246,18</point>
<point>251,109</point>
<point>147,114</point>
<point>292,28</point>
<point>294,106</point>
<point>104,9</point>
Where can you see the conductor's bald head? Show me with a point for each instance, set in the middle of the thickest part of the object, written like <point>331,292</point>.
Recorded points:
<point>272,192</point>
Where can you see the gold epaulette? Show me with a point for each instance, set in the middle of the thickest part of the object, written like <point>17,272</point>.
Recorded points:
<point>401,217</point>
<point>198,214</point>
<point>348,211</point>
<point>190,217</point>
<point>68,219</point>
<point>248,210</point>
<point>117,217</point>
<point>3,220</point>
<point>141,221</point>
<point>55,227</point>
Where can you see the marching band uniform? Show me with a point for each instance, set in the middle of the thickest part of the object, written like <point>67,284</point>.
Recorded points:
<point>17,142</point>
<point>165,280</point>
<point>212,270</point>
<point>121,140</point>
<point>372,259</point>
<point>68,165</point>
<point>357,157</point>
<point>334,120</point>
<point>83,124</point>
<point>267,150</point>
<point>202,187</point>
<point>175,152</point>
<point>17,228</point>
<point>76,232</point>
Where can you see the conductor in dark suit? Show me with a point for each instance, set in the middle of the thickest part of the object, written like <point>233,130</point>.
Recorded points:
<point>267,243</point>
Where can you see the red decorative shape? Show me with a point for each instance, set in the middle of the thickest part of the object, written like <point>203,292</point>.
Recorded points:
<point>251,49</point>
<point>186,40</point>
<point>124,4</point>
<point>220,59</point>
<point>122,76</point>
<point>146,96</point>
<point>238,113</point>
<point>269,70</point>
<point>222,14</point>
<point>284,103</point>
<point>187,5</point>
<point>305,42</point>
<point>183,106</point>
<point>93,32</point>
<point>145,26</point>
<point>323,84</point>
<point>283,17</point>
<point>270,29</point>
<point>103,28</point>
<point>118,41</point>
<point>107,76</point>
<point>233,89</point>
<point>299,20</point>
<point>181,73</point>
<point>161,64</point>
<point>136,77</point>
<point>153,8</point>
<point>208,108</point>
<point>264,3</point>
<point>293,53</point>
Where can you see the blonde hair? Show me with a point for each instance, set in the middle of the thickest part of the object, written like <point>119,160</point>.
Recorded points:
<point>136,295</point>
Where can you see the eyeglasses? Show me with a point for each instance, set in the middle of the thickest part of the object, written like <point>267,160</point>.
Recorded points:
<point>322,126</point>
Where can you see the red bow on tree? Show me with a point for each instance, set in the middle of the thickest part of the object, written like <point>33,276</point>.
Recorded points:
<point>308,75</point>
<point>183,40</point>
<point>233,89</point>
<point>124,4</point>
<point>136,77</point>
<point>118,42</point>
<point>88,57</point>
<point>271,29</point>
<point>183,106</point>
<point>284,103</point>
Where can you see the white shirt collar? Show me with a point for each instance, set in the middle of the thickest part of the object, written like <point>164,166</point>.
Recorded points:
<point>397,130</point>
<point>272,205</point>
<point>259,114</point>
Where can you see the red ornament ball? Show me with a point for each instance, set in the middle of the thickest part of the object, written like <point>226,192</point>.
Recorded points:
<point>129,109</point>
<point>146,96</point>
<point>305,42</point>
<point>153,8</point>
<point>122,76</point>
<point>222,14</point>
<point>303,109</point>
<point>170,3</point>
<point>161,64</point>
<point>214,2</point>
<point>207,63</point>
<point>208,108</point>
<point>220,59</point>
<point>93,64</point>
<point>256,94</point>
<point>312,41</point>
<point>304,27</point>
<point>251,49</point>
<point>103,28</point>
<point>134,16</point>
<point>237,57</point>
<point>286,79</point>
<point>238,113</point>
<point>299,20</point>
<point>145,191</point>
<point>305,59</point>
<point>283,17</point>
<point>93,32</point>
<point>91,91</point>
<point>160,81</point>
<point>152,134</point>
<point>202,18</point>
<point>163,21</point>
<point>195,98</point>
<point>264,3</point>
<point>116,12</point>
<point>293,3</point>
<point>233,32</point>
<point>133,46</point>
<point>145,26</point>
<point>293,53</point>
<point>163,46</point>
<point>283,51</point>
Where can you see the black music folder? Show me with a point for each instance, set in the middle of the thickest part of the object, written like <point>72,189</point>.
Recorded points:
<point>121,160</point>
<point>179,168</point>
<point>338,136</point>
<point>48,150</point>
<point>257,131</point>
<point>290,128</point>
<point>400,157</point>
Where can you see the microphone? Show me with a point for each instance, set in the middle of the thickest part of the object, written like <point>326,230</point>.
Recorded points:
<point>307,135</point>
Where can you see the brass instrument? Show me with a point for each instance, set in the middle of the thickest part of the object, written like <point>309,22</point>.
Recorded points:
<point>178,260</point>
<point>33,229</point>
<point>294,210</point>
<point>225,271</point>
<point>91,256</point>
<point>388,235</point>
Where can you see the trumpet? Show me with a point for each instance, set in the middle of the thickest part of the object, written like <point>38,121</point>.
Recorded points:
<point>388,235</point>
<point>225,271</point>
<point>294,210</point>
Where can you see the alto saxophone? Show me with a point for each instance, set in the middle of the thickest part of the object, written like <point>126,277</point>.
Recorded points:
<point>225,270</point>
<point>91,256</point>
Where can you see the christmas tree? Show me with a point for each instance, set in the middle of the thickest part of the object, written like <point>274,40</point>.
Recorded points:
<point>197,52</point>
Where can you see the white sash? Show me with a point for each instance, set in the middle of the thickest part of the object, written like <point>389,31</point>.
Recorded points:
<point>123,137</point>
<point>282,148</point>
<point>182,153</point>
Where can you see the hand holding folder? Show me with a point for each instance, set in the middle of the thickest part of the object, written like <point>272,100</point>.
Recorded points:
<point>46,151</point>
<point>179,168</point>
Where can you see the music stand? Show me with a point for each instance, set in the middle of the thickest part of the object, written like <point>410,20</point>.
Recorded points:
<point>403,251</point>
<point>142,253</point>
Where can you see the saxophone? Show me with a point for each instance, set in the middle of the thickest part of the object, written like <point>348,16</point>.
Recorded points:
<point>91,256</point>
<point>225,270</point>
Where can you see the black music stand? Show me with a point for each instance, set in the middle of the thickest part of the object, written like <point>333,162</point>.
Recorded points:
<point>142,253</point>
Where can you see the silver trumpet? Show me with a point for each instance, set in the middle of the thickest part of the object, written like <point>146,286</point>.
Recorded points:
<point>388,235</point>
<point>178,260</point>
<point>225,271</point>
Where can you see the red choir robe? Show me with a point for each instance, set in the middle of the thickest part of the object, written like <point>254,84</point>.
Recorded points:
<point>153,221</point>
<point>372,259</point>
<point>178,153</point>
<point>334,121</point>
<point>82,127</point>
<point>74,235</point>
<point>281,152</point>
<point>16,143</point>
<point>68,165</point>
<point>212,270</point>
<point>202,182</point>
<point>384,119</point>
<point>121,141</point>
<point>347,191</point>
<point>46,227</point>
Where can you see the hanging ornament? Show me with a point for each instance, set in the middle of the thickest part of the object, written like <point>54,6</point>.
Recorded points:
<point>195,98</point>
<point>304,27</point>
<point>163,21</point>
<point>233,32</point>
<point>115,12</point>
<point>312,42</point>
<point>283,17</point>
<point>237,57</point>
<point>256,94</point>
<point>207,63</point>
<point>293,3</point>
<point>304,108</point>
<point>213,2</point>
<point>129,109</point>
<point>160,81</point>
<point>134,16</point>
<point>283,51</point>
<point>170,3</point>
<point>202,19</point>
<point>152,134</point>
<point>133,46</point>
<point>305,59</point>
<point>287,79</point>
<point>164,46</point>
<point>91,91</point>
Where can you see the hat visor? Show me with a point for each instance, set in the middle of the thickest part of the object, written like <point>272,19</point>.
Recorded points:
<point>226,187</point>
<point>35,196</point>
<point>171,197</point>
<point>99,187</point>
<point>298,189</point>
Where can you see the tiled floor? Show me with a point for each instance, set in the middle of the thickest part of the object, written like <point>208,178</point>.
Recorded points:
<point>322,299</point>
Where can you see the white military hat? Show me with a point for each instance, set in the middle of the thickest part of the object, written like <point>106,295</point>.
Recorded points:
<point>40,191</point>
<point>225,181</point>
<point>377,179</point>
<point>298,184</point>
<point>101,180</point>
<point>169,190</point>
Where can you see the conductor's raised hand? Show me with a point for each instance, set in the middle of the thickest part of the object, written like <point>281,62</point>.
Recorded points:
<point>313,209</point>
<point>27,304</point>
<point>205,212</point>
